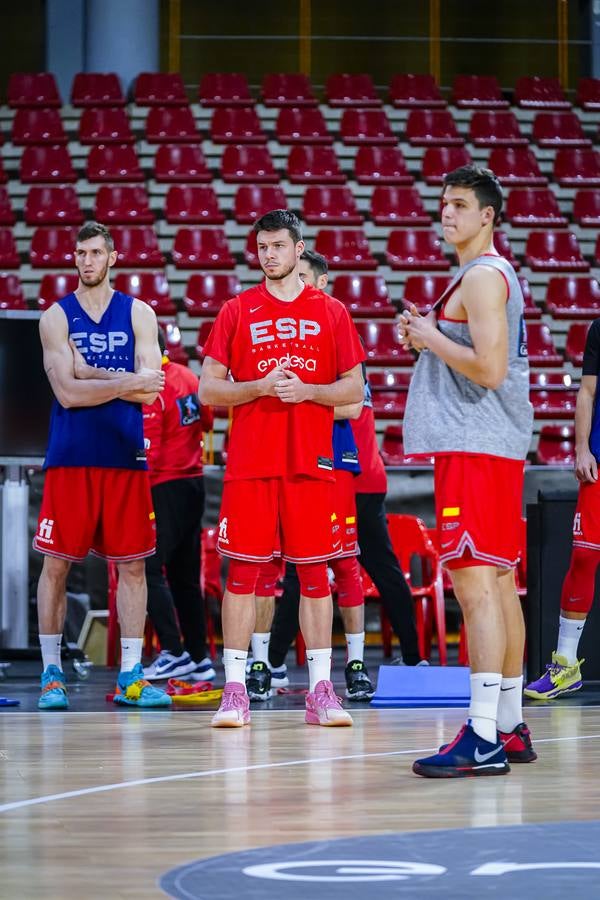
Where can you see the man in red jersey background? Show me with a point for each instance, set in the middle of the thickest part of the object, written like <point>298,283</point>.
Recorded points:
<point>294,354</point>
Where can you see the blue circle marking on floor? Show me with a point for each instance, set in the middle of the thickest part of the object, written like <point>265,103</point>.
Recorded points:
<point>550,860</point>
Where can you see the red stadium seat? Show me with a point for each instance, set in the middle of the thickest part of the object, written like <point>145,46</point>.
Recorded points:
<point>302,125</point>
<point>586,208</point>
<point>3,176</point>
<point>113,162</point>
<point>203,333</point>
<point>588,93</point>
<point>389,404</point>
<point>253,201</point>
<point>250,165</point>
<point>123,205</point>
<point>555,129</point>
<point>42,165</point>
<point>206,293</point>
<point>366,126</point>
<point>236,126</point>
<point>573,298</point>
<point>540,346</point>
<point>516,167</point>
<point>381,165</point>
<point>251,251</point>
<point>54,286</point>
<point>174,343</point>
<point>7,216</point>
<point>37,126</point>
<point>548,251</point>
<point>382,344</point>
<point>496,129</point>
<point>160,89</point>
<point>181,163</point>
<point>408,249</point>
<point>27,89</point>
<point>351,90</point>
<point>52,248</point>
<point>224,89</point>
<point>534,208</point>
<point>11,293</point>
<point>432,128</point>
<point>577,168</point>
<point>389,380</point>
<point>193,206</point>
<point>597,251</point>
<point>53,206</point>
<point>365,296</point>
<point>478,91</point>
<point>105,126</point>
<point>439,160</point>
<point>281,89</point>
<point>314,165</point>
<point>556,446</point>
<point>502,245</point>
<point>97,89</point>
<point>533,92</point>
<point>9,255</point>
<point>151,287</point>
<point>137,247</point>
<point>398,206</point>
<point>171,124</point>
<point>552,395</point>
<point>414,91</point>
<point>330,205</point>
<point>424,291</point>
<point>345,248</point>
<point>575,343</point>
<point>202,248</point>
<point>530,308</point>
<point>392,449</point>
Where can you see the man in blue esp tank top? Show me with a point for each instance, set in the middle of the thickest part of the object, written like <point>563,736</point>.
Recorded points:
<point>468,406</point>
<point>102,359</point>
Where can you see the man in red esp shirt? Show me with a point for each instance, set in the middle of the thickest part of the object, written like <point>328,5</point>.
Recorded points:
<point>173,427</point>
<point>294,354</point>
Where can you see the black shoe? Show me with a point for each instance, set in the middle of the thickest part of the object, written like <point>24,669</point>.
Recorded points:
<point>358,683</point>
<point>258,681</point>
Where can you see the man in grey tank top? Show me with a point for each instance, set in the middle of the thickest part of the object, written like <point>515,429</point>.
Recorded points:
<point>468,405</point>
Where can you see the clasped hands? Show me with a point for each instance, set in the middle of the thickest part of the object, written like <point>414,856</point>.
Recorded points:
<point>415,330</point>
<point>285,384</point>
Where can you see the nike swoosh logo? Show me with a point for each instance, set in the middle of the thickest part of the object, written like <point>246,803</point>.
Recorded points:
<point>491,684</point>
<point>77,318</point>
<point>508,689</point>
<point>267,641</point>
<point>481,757</point>
<point>447,544</point>
<point>256,308</point>
<point>240,657</point>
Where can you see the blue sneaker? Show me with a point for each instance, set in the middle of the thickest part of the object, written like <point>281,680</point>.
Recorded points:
<point>54,691</point>
<point>204,671</point>
<point>467,755</point>
<point>134,690</point>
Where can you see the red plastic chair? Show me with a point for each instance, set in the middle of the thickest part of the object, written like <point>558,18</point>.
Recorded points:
<point>516,167</point>
<point>502,245</point>
<point>192,206</point>
<point>586,208</point>
<point>181,163</point>
<point>330,205</point>
<point>55,286</point>
<point>370,592</point>
<point>253,201</point>
<point>11,293</point>
<point>533,92</point>
<point>314,165</point>
<point>534,207</point>
<point>345,248</point>
<point>392,449</point>
<point>496,129</point>
<point>236,126</point>
<point>171,125</point>
<point>31,89</point>
<point>530,308</point>
<point>174,343</point>
<point>365,296</point>
<point>281,89</point>
<point>575,343</point>
<point>202,248</point>
<point>556,446</point>
<point>437,161</point>
<point>555,129</point>
<point>151,287</point>
<point>398,206</point>
<point>478,91</point>
<point>113,162</point>
<point>7,216</point>
<point>389,404</point>
<point>206,293</point>
<point>432,128</point>
<point>574,167</point>
<point>52,248</point>
<point>366,126</point>
<point>53,206</point>
<point>211,581</point>
<point>160,89</point>
<point>137,247</point>
<point>302,125</point>
<point>351,90</point>
<point>45,165</point>
<point>37,126</point>
<point>389,380</point>
<point>408,249</point>
<point>540,346</point>
<point>548,251</point>
<point>414,91</point>
<point>597,251</point>
<point>105,126</point>
<point>382,344</point>
<point>3,175</point>
<point>248,164</point>
<point>588,93</point>
<point>424,291</point>
<point>201,338</point>
<point>573,298</point>
<point>123,205</point>
<point>251,251</point>
<point>96,89</point>
<point>224,89</point>
<point>552,395</point>
<point>381,165</point>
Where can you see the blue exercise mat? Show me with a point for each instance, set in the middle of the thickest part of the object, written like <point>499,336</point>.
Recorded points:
<point>4,701</point>
<point>412,686</point>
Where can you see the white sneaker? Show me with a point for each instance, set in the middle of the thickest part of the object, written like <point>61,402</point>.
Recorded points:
<point>204,671</point>
<point>279,677</point>
<point>166,665</point>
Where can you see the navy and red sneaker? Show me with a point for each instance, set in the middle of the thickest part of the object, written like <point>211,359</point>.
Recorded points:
<point>466,756</point>
<point>517,744</point>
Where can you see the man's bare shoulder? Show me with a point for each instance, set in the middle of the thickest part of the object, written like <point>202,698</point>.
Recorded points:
<point>53,322</point>
<point>143,313</point>
<point>486,282</point>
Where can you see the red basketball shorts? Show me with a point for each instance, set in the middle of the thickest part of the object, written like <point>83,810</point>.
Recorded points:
<point>345,511</point>
<point>478,505</point>
<point>586,523</point>
<point>260,516</point>
<point>107,512</point>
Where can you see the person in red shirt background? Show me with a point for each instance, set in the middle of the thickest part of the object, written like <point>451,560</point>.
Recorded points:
<point>173,427</point>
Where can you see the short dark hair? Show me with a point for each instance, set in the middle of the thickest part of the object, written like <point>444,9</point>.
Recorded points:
<point>278,219</point>
<point>161,339</point>
<point>95,229</point>
<point>482,182</point>
<point>316,261</point>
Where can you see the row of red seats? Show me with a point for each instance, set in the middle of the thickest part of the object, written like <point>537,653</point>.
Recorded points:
<point>301,125</point>
<point>252,164</point>
<point>283,89</point>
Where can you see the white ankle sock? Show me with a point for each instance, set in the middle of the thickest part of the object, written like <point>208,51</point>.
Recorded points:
<point>356,646</point>
<point>319,666</point>
<point>131,653</point>
<point>50,644</point>
<point>260,646</point>
<point>510,705</point>
<point>483,709</point>
<point>235,665</point>
<point>569,633</point>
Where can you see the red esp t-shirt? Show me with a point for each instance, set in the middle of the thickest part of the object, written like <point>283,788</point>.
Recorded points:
<point>313,336</point>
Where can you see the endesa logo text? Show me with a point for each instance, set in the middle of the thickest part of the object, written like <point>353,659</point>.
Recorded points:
<point>285,329</point>
<point>287,362</point>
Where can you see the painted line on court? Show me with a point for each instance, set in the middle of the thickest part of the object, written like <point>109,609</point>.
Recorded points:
<point>183,776</point>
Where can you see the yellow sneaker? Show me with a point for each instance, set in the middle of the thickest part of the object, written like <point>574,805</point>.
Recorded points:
<point>559,678</point>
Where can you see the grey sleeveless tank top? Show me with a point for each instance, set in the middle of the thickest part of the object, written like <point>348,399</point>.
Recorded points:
<point>446,412</point>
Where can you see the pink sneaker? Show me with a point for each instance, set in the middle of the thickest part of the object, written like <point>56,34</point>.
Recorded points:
<point>324,708</point>
<point>234,710</point>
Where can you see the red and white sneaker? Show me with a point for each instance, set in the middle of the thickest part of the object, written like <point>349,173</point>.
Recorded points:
<point>517,744</point>
<point>324,708</point>
<point>234,710</point>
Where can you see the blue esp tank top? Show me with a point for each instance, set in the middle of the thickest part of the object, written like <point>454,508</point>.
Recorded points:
<point>345,454</point>
<point>110,435</point>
